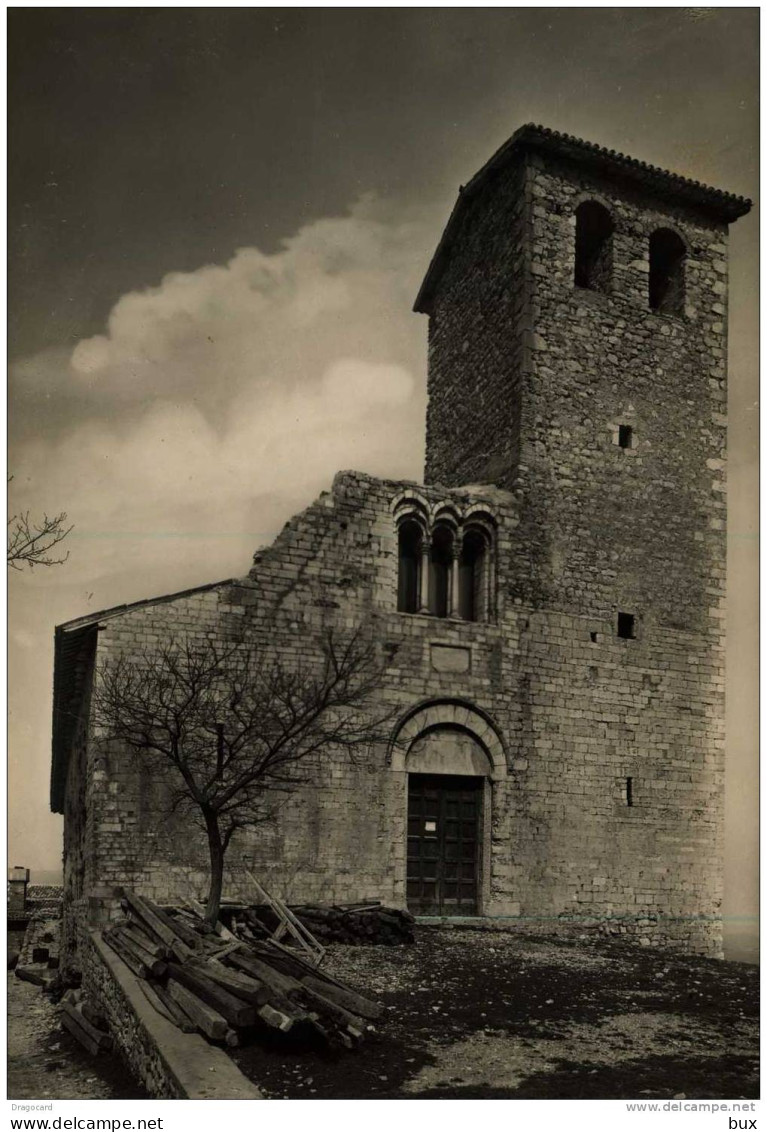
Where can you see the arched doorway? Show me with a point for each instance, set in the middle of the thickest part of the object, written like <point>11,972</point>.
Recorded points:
<point>446,772</point>
<point>452,761</point>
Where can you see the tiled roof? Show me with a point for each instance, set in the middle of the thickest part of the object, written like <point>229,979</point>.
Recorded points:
<point>721,205</point>
<point>40,892</point>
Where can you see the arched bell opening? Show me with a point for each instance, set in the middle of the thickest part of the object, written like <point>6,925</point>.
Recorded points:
<point>666,281</point>
<point>593,246</point>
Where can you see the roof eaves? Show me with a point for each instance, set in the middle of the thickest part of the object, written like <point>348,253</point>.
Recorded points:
<point>119,610</point>
<point>723,205</point>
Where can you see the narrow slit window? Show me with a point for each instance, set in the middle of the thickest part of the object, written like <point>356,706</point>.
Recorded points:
<point>627,626</point>
<point>629,791</point>
<point>625,436</point>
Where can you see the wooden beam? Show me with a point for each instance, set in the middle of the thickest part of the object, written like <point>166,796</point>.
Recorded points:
<point>213,1024</point>
<point>233,1009</point>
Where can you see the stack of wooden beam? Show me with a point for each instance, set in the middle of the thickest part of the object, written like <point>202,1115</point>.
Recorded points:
<point>338,923</point>
<point>204,978</point>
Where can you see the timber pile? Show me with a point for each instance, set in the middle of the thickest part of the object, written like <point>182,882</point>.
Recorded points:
<point>339,923</point>
<point>205,979</point>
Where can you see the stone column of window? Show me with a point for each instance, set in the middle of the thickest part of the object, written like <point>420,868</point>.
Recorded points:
<point>453,590</point>
<point>423,588</point>
<point>488,580</point>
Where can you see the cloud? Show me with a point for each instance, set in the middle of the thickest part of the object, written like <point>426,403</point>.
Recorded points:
<point>341,287</point>
<point>225,398</point>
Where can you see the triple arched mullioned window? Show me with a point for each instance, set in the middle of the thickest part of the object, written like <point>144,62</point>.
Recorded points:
<point>446,568</point>
<point>594,230</point>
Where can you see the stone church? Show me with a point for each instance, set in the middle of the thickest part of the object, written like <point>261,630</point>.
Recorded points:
<point>548,606</point>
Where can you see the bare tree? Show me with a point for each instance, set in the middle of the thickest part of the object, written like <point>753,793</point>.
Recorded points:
<point>30,541</point>
<point>232,727</point>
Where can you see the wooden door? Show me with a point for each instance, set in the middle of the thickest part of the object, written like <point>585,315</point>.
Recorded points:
<point>443,822</point>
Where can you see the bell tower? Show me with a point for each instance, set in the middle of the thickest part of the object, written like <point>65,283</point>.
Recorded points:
<point>577,308</point>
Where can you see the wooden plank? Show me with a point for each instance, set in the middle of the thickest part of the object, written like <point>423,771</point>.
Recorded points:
<point>30,975</point>
<point>120,947</point>
<point>220,952</point>
<point>177,1015</point>
<point>275,1018</point>
<point>290,962</point>
<point>356,1026</point>
<point>98,1036</point>
<point>94,1016</point>
<point>233,1009</point>
<point>213,1024</point>
<point>346,997</point>
<point>132,931</point>
<point>154,1000</point>
<point>156,967</point>
<point>243,986</point>
<point>275,980</point>
<point>192,920</point>
<point>299,931</point>
<point>77,1032</point>
<point>157,922</point>
<point>133,903</point>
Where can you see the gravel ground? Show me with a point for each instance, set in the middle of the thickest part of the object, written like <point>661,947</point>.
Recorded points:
<point>46,1063</point>
<point>475,1014</point>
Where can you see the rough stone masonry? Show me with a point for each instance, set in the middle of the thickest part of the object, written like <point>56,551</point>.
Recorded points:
<point>548,608</point>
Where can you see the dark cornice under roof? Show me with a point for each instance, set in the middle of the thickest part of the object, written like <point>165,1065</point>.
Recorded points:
<point>716,203</point>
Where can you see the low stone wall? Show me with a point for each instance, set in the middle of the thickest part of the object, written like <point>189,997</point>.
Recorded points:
<point>684,934</point>
<point>171,1065</point>
<point>42,931</point>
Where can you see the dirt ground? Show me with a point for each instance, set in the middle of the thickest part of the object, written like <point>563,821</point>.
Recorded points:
<point>472,1014</point>
<point>46,1063</point>
<point>480,1014</point>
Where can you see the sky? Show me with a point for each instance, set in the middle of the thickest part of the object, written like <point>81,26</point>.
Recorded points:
<point>218,223</point>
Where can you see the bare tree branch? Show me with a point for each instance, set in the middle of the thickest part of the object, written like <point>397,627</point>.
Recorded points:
<point>236,728</point>
<point>30,541</point>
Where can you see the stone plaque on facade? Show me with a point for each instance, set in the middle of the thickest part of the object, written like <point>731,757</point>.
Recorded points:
<point>450,658</point>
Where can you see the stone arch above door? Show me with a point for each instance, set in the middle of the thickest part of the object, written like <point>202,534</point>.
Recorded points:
<point>453,716</point>
<point>448,750</point>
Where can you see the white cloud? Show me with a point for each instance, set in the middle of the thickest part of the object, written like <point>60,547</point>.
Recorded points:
<point>340,287</point>
<point>249,381</point>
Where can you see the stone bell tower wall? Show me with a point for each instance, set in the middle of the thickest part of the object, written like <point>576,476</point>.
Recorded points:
<point>607,420</point>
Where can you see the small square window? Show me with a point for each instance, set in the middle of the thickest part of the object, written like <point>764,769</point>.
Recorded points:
<point>627,626</point>
<point>625,436</point>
